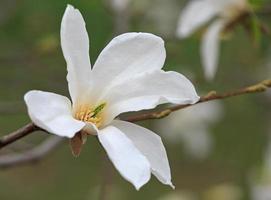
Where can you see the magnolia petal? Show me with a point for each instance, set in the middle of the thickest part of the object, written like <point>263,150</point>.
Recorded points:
<point>151,146</point>
<point>52,112</point>
<point>90,129</point>
<point>126,56</point>
<point>196,14</point>
<point>75,47</point>
<point>210,48</point>
<point>132,165</point>
<point>147,91</point>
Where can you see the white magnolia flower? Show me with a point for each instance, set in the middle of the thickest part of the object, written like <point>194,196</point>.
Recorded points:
<point>161,17</point>
<point>199,12</point>
<point>119,5</point>
<point>127,76</point>
<point>179,195</point>
<point>261,192</point>
<point>224,191</point>
<point>191,127</point>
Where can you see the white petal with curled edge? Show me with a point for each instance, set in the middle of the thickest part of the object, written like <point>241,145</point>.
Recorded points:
<point>196,14</point>
<point>149,90</point>
<point>126,56</point>
<point>210,48</point>
<point>52,112</point>
<point>151,146</point>
<point>128,160</point>
<point>75,47</point>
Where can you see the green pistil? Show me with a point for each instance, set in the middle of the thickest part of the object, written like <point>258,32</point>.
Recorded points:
<point>98,109</point>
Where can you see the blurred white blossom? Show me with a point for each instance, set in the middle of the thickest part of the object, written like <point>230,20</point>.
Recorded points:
<point>179,195</point>
<point>190,126</point>
<point>121,15</point>
<point>161,17</point>
<point>261,192</point>
<point>199,12</point>
<point>225,191</point>
<point>119,5</point>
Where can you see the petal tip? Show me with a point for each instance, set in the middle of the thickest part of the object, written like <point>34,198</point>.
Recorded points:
<point>139,185</point>
<point>182,33</point>
<point>196,99</point>
<point>28,94</point>
<point>209,76</point>
<point>171,185</point>
<point>70,11</point>
<point>70,8</point>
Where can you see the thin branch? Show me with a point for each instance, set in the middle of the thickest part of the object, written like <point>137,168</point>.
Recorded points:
<point>33,155</point>
<point>260,87</point>
<point>18,134</point>
<point>243,19</point>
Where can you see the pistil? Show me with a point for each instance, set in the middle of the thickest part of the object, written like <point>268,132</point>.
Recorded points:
<point>90,114</point>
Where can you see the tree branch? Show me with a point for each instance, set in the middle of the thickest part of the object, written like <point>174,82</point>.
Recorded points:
<point>243,19</point>
<point>260,87</point>
<point>18,134</point>
<point>33,155</point>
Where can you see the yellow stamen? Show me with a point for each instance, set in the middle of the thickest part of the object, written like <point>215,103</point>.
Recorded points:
<point>90,114</point>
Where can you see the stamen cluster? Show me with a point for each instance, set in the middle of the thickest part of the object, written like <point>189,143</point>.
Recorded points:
<point>89,114</point>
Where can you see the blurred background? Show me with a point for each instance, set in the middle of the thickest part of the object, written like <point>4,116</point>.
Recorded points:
<point>217,151</point>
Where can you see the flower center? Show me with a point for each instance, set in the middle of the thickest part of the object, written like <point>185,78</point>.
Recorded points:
<point>89,114</point>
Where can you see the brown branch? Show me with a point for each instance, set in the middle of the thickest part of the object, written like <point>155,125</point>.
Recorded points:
<point>18,134</point>
<point>243,19</point>
<point>260,87</point>
<point>33,155</point>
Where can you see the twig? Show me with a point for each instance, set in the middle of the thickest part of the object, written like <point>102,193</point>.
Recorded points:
<point>18,134</point>
<point>33,155</point>
<point>243,19</point>
<point>260,87</point>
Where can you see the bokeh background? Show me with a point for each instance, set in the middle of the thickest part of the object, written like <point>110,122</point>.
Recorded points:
<point>216,152</point>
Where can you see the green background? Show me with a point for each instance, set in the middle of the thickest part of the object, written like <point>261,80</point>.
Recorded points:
<point>31,58</point>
